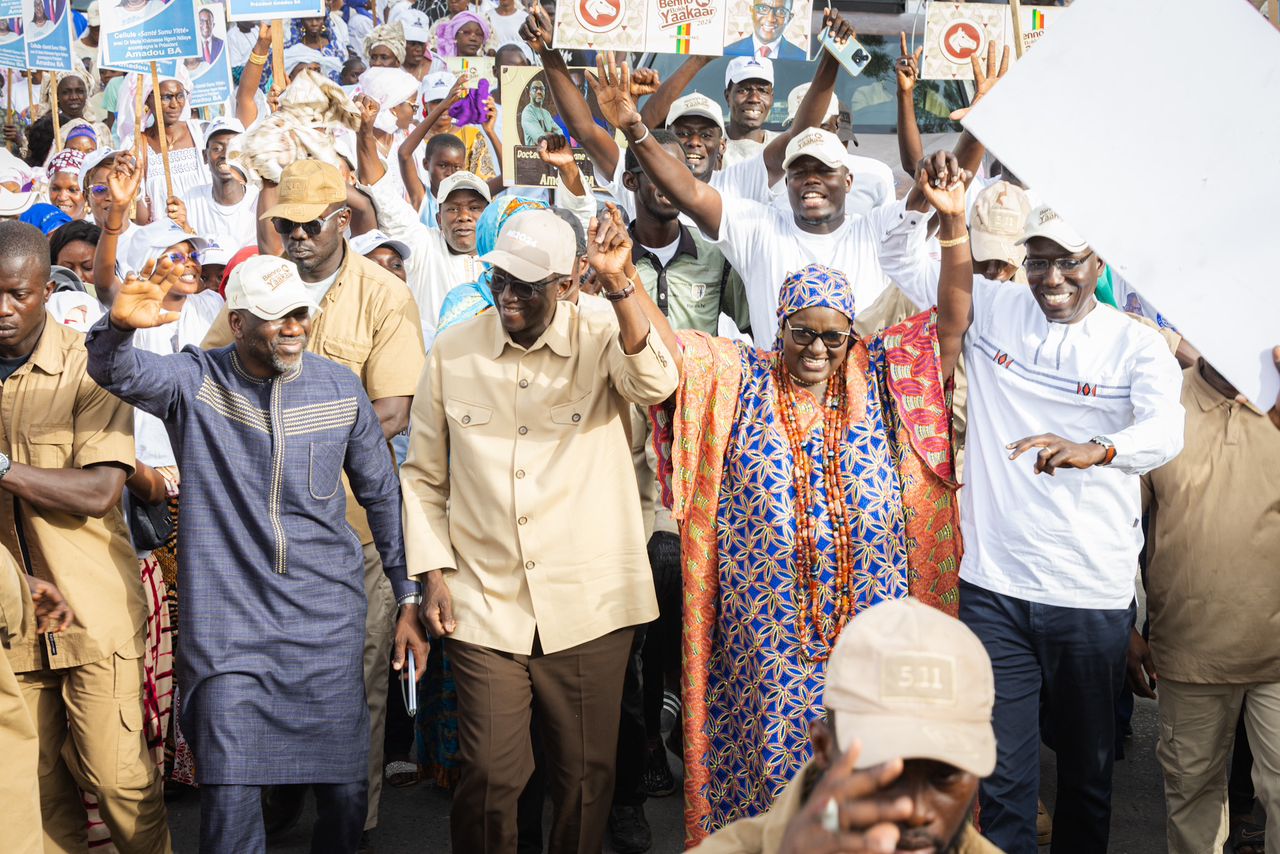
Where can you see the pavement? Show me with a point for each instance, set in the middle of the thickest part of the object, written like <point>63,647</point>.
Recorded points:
<point>416,820</point>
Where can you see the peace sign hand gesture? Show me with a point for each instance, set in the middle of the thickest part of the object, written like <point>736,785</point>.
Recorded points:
<point>908,65</point>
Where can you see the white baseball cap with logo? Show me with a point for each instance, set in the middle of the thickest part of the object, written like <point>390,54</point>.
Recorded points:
<point>817,143</point>
<point>748,68</point>
<point>436,86</point>
<point>534,245</point>
<point>996,221</point>
<point>914,683</point>
<point>462,180</point>
<point>1045,222</point>
<point>268,287</point>
<point>695,104</point>
<point>363,244</point>
<point>797,95</point>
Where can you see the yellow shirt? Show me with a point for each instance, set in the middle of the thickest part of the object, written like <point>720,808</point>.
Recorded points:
<point>52,415</point>
<point>368,322</point>
<point>519,480</point>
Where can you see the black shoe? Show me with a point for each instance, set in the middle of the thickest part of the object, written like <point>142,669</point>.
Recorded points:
<point>657,781</point>
<point>630,830</point>
<point>282,807</point>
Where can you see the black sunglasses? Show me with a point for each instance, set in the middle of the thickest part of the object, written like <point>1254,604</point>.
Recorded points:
<point>311,229</point>
<point>501,280</point>
<point>804,336</point>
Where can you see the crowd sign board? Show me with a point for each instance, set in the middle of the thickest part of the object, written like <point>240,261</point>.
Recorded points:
<point>136,31</point>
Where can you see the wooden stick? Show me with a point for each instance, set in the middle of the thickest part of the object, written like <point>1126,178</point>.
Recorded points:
<point>1275,12</point>
<point>373,7</point>
<point>139,125</point>
<point>57,123</point>
<point>278,75</point>
<point>31,98</point>
<point>164,137</point>
<point>1015,7</point>
<point>8,95</point>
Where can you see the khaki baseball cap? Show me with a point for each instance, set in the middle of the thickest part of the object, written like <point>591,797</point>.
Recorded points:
<point>269,287</point>
<point>307,187</point>
<point>695,104</point>
<point>1045,222</point>
<point>816,142</point>
<point>912,682</point>
<point>533,246</point>
<point>996,221</point>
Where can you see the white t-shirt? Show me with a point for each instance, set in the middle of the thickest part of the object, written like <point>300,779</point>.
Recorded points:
<point>665,253</point>
<point>765,246</point>
<point>749,179</point>
<point>1071,540</point>
<point>232,226</point>
<point>737,150</point>
<point>506,28</point>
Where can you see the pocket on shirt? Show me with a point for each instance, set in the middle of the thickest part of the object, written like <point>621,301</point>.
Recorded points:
<point>571,414</point>
<point>347,351</point>
<point>49,445</point>
<point>325,475</point>
<point>467,414</point>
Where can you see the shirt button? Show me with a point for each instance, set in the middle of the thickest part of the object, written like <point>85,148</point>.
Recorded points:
<point>519,474</point>
<point>523,519</point>
<point>523,430</point>
<point>528,565</point>
<point>466,419</point>
<point>576,418</point>
<point>524,383</point>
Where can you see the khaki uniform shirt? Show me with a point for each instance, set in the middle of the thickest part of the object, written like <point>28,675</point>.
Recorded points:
<point>54,417</point>
<point>1212,583</point>
<point>519,481</point>
<point>368,322</point>
<point>762,834</point>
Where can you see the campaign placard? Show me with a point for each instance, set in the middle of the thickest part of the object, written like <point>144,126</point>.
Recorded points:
<point>954,32</point>
<point>210,68</point>
<point>769,29</point>
<point>270,10</point>
<point>778,29</point>
<point>474,69</point>
<point>48,34</point>
<point>13,47</point>
<point>146,30</point>
<point>526,118</point>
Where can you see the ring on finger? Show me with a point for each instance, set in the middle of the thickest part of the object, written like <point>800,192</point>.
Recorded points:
<point>831,816</point>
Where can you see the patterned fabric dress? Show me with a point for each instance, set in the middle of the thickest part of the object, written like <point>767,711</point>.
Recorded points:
<point>751,684</point>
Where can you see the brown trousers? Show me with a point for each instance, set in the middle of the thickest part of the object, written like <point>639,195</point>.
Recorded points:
<point>379,632</point>
<point>577,694</point>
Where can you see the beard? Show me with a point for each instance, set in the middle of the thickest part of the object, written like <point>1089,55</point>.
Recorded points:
<point>284,364</point>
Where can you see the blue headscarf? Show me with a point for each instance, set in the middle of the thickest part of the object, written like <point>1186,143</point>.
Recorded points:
<point>466,301</point>
<point>812,286</point>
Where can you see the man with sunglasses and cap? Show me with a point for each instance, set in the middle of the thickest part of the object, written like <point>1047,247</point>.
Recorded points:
<point>273,597</point>
<point>369,323</point>
<point>520,432</point>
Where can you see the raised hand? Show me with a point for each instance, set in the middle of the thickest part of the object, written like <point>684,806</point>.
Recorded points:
<point>609,247</point>
<point>138,304</point>
<point>908,65</point>
<point>554,150</point>
<point>491,116</point>
<point>176,210</point>
<point>942,180</point>
<point>611,85</point>
<point>984,81</point>
<point>644,81</point>
<point>369,110</point>
<point>839,29</point>
<point>125,178</point>
<point>536,29</point>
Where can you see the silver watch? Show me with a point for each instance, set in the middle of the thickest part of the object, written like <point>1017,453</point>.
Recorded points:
<point>410,599</point>
<point>5,465</point>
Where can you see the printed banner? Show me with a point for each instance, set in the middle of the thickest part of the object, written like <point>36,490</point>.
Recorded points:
<point>136,31</point>
<point>269,10</point>
<point>13,47</point>
<point>527,118</point>
<point>476,68</point>
<point>778,29</point>
<point>210,69</point>
<point>49,34</point>
<point>954,32</point>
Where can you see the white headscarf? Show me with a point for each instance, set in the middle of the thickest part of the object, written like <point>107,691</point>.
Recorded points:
<point>389,87</point>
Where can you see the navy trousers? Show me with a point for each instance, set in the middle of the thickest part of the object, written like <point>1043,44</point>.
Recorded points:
<point>1075,657</point>
<point>231,818</point>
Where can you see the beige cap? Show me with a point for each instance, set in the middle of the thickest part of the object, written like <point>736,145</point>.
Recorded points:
<point>995,223</point>
<point>462,180</point>
<point>695,104</point>
<point>1045,222</point>
<point>269,287</point>
<point>533,246</point>
<point>307,188</point>
<point>797,95</point>
<point>816,142</point>
<point>912,682</point>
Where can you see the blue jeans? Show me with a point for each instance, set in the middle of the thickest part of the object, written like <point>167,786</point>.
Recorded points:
<point>1076,657</point>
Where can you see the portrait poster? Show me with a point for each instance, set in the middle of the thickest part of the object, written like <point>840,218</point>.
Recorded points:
<point>135,31</point>
<point>655,26</point>
<point>48,34</point>
<point>210,68</point>
<point>527,117</point>
<point>474,69</point>
<point>13,47</point>
<point>769,29</point>
<point>270,10</point>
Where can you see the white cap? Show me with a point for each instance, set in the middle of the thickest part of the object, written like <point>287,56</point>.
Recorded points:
<point>797,95</point>
<point>816,142</point>
<point>269,287</point>
<point>91,161</point>
<point>695,104</point>
<point>150,240</point>
<point>462,180</point>
<point>996,220</point>
<point>215,254</point>
<point>748,68</point>
<point>92,16</point>
<point>436,85</point>
<point>416,26</point>
<point>1045,222</point>
<point>223,124</point>
<point>363,244</point>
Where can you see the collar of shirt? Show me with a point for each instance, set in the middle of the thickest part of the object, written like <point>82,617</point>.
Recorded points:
<point>557,335</point>
<point>685,247</point>
<point>1207,397</point>
<point>48,353</point>
<point>331,293</point>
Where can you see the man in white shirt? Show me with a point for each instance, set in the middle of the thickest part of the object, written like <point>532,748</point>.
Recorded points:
<point>240,41</point>
<point>748,90</point>
<point>872,179</point>
<point>1052,541</point>
<point>769,20</point>
<point>227,208</point>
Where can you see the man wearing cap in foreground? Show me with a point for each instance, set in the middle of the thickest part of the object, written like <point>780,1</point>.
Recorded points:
<point>273,615</point>
<point>748,90</point>
<point>519,433</point>
<point>369,323</point>
<point>899,754</point>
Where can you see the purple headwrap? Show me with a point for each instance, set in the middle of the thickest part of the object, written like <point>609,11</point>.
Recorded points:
<point>812,286</point>
<point>446,36</point>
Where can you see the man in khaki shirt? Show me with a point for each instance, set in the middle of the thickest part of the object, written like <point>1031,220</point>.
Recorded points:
<point>1212,593</point>
<point>521,508</point>
<point>67,448</point>
<point>368,322</point>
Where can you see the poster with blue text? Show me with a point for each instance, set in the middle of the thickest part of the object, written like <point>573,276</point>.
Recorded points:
<point>136,31</point>
<point>47,27</point>
<point>269,10</point>
<point>210,69</point>
<point>13,47</point>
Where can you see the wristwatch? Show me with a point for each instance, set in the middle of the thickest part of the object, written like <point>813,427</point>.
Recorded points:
<point>5,465</point>
<point>1110,447</point>
<point>410,599</point>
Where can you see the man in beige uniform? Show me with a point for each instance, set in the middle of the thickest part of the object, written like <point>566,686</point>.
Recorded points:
<point>67,449</point>
<point>368,322</point>
<point>1212,593</point>
<point>521,508</point>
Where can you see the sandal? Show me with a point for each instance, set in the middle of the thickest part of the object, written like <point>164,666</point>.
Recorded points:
<point>1248,837</point>
<point>401,774</point>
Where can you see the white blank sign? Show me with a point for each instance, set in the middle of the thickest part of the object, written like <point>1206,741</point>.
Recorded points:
<point>1164,153</point>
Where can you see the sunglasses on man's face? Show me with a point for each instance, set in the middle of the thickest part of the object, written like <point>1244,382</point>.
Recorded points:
<point>523,291</point>
<point>311,229</point>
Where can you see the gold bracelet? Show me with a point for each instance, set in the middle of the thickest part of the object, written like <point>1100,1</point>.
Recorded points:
<point>947,244</point>
<point>259,59</point>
